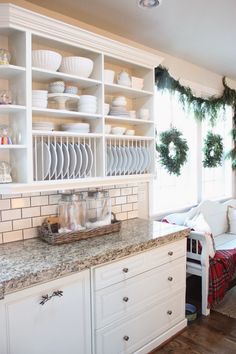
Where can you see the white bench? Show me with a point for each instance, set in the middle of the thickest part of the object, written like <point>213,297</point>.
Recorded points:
<point>215,214</point>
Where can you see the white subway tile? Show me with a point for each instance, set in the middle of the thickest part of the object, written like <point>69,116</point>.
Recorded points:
<point>54,199</point>
<point>20,203</point>
<point>11,214</point>
<point>126,191</point>
<point>33,194</point>
<point>114,192</point>
<point>49,210</point>
<point>132,214</point>
<point>116,209</point>
<point>5,226</point>
<point>47,193</point>
<point>38,221</point>
<point>30,212</point>
<point>5,204</point>
<point>121,216</point>
<point>21,224</point>
<point>132,198</point>
<point>9,196</point>
<point>121,200</point>
<point>127,207</point>
<point>30,233</point>
<point>135,190</point>
<point>135,206</point>
<point>39,200</point>
<point>12,236</point>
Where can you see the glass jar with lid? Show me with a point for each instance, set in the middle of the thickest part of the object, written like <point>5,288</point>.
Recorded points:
<point>98,209</point>
<point>72,212</point>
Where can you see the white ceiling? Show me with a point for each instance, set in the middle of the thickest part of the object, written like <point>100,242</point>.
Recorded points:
<point>200,31</point>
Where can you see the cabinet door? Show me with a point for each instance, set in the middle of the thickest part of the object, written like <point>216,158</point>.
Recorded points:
<point>60,325</point>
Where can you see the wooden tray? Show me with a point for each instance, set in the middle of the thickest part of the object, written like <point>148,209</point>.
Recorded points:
<point>48,232</point>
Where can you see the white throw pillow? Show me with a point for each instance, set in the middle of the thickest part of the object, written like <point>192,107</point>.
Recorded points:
<point>199,224</point>
<point>232,219</point>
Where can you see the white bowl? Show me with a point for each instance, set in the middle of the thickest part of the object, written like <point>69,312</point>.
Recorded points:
<point>56,87</point>
<point>118,130</point>
<point>40,103</point>
<point>73,90</point>
<point>119,101</point>
<point>88,98</point>
<point>79,66</point>
<point>87,108</point>
<point>107,128</point>
<point>41,93</point>
<point>46,59</point>
<point>106,108</point>
<point>109,76</point>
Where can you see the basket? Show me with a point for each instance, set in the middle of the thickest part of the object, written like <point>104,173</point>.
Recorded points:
<point>48,232</point>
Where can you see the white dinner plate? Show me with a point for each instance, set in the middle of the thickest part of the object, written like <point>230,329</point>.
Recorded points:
<point>129,160</point>
<point>109,161</point>
<point>120,161</point>
<point>84,160</point>
<point>66,156</point>
<point>125,160</point>
<point>115,160</point>
<point>141,159</point>
<point>43,161</point>
<point>79,160</point>
<point>133,159</point>
<point>53,153</point>
<point>73,160</point>
<point>60,160</point>
<point>90,159</point>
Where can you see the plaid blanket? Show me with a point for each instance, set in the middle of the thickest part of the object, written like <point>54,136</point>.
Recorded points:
<point>221,271</point>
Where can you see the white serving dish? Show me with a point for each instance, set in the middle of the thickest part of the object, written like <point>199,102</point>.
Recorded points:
<point>79,66</point>
<point>109,76</point>
<point>118,130</point>
<point>46,59</point>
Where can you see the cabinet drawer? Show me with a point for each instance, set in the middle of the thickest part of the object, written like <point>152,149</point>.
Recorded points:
<point>126,338</point>
<point>125,298</point>
<point>126,268</point>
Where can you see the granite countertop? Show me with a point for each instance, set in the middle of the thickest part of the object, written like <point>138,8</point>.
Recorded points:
<point>26,263</point>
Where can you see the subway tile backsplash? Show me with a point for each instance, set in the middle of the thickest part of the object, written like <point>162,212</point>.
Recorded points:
<point>20,214</point>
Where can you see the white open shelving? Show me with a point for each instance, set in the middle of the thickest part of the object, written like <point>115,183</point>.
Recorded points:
<point>34,31</point>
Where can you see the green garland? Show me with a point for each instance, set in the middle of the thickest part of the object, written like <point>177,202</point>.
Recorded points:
<point>213,150</point>
<point>172,163</point>
<point>201,107</point>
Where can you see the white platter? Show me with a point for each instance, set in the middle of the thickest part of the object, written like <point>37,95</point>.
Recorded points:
<point>53,165</point>
<point>43,161</point>
<point>79,160</point>
<point>73,159</point>
<point>66,157</point>
<point>90,159</point>
<point>84,160</point>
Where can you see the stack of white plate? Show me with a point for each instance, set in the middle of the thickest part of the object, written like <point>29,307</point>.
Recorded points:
<point>40,98</point>
<point>44,126</point>
<point>118,107</point>
<point>88,104</point>
<point>76,127</point>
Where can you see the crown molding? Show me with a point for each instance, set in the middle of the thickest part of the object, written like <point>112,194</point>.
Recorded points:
<point>23,19</point>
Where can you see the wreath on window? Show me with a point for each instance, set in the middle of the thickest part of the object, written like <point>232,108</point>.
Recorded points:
<point>173,150</point>
<point>213,150</point>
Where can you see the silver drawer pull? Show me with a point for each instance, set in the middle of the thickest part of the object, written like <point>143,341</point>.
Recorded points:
<point>46,298</point>
<point>125,270</point>
<point>169,312</point>
<point>125,299</point>
<point>170,278</point>
<point>170,253</point>
<point>126,338</point>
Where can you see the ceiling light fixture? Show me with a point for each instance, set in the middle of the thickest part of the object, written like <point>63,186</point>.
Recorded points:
<point>149,4</point>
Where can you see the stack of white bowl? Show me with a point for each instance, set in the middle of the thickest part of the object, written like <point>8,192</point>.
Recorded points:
<point>40,98</point>
<point>88,104</point>
<point>44,126</point>
<point>82,128</point>
<point>118,107</point>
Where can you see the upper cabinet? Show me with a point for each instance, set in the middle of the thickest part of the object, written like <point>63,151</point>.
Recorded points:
<point>76,108</point>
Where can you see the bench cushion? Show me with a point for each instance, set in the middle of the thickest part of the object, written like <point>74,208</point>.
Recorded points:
<point>225,241</point>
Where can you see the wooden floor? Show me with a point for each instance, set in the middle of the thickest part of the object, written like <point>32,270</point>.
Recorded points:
<point>215,334</point>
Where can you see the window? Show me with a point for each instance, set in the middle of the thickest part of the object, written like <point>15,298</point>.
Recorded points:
<point>195,182</point>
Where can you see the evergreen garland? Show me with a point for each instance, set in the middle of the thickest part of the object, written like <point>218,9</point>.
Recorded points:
<point>172,163</point>
<point>213,150</point>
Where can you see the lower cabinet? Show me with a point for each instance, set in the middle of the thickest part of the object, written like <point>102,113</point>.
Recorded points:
<point>146,305</point>
<point>52,318</point>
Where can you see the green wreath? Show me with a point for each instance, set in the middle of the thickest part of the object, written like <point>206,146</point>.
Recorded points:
<point>213,150</point>
<point>172,150</point>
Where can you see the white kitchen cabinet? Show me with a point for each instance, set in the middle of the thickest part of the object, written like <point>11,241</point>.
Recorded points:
<point>139,301</point>
<point>22,31</point>
<point>60,325</point>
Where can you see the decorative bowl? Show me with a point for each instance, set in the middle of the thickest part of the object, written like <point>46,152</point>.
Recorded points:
<point>79,66</point>
<point>46,59</point>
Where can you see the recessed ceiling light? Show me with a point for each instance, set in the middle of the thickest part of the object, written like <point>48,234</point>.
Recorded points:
<point>149,4</point>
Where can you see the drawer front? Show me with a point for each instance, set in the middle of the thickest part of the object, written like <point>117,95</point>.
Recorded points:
<point>129,336</point>
<point>131,296</point>
<point>126,268</point>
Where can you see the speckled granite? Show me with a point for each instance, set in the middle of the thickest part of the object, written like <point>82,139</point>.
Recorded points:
<point>25,263</point>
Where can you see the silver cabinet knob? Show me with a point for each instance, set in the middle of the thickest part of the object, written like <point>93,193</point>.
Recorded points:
<point>170,278</point>
<point>169,312</point>
<point>170,253</point>
<point>125,299</point>
<point>125,270</point>
<point>126,338</point>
